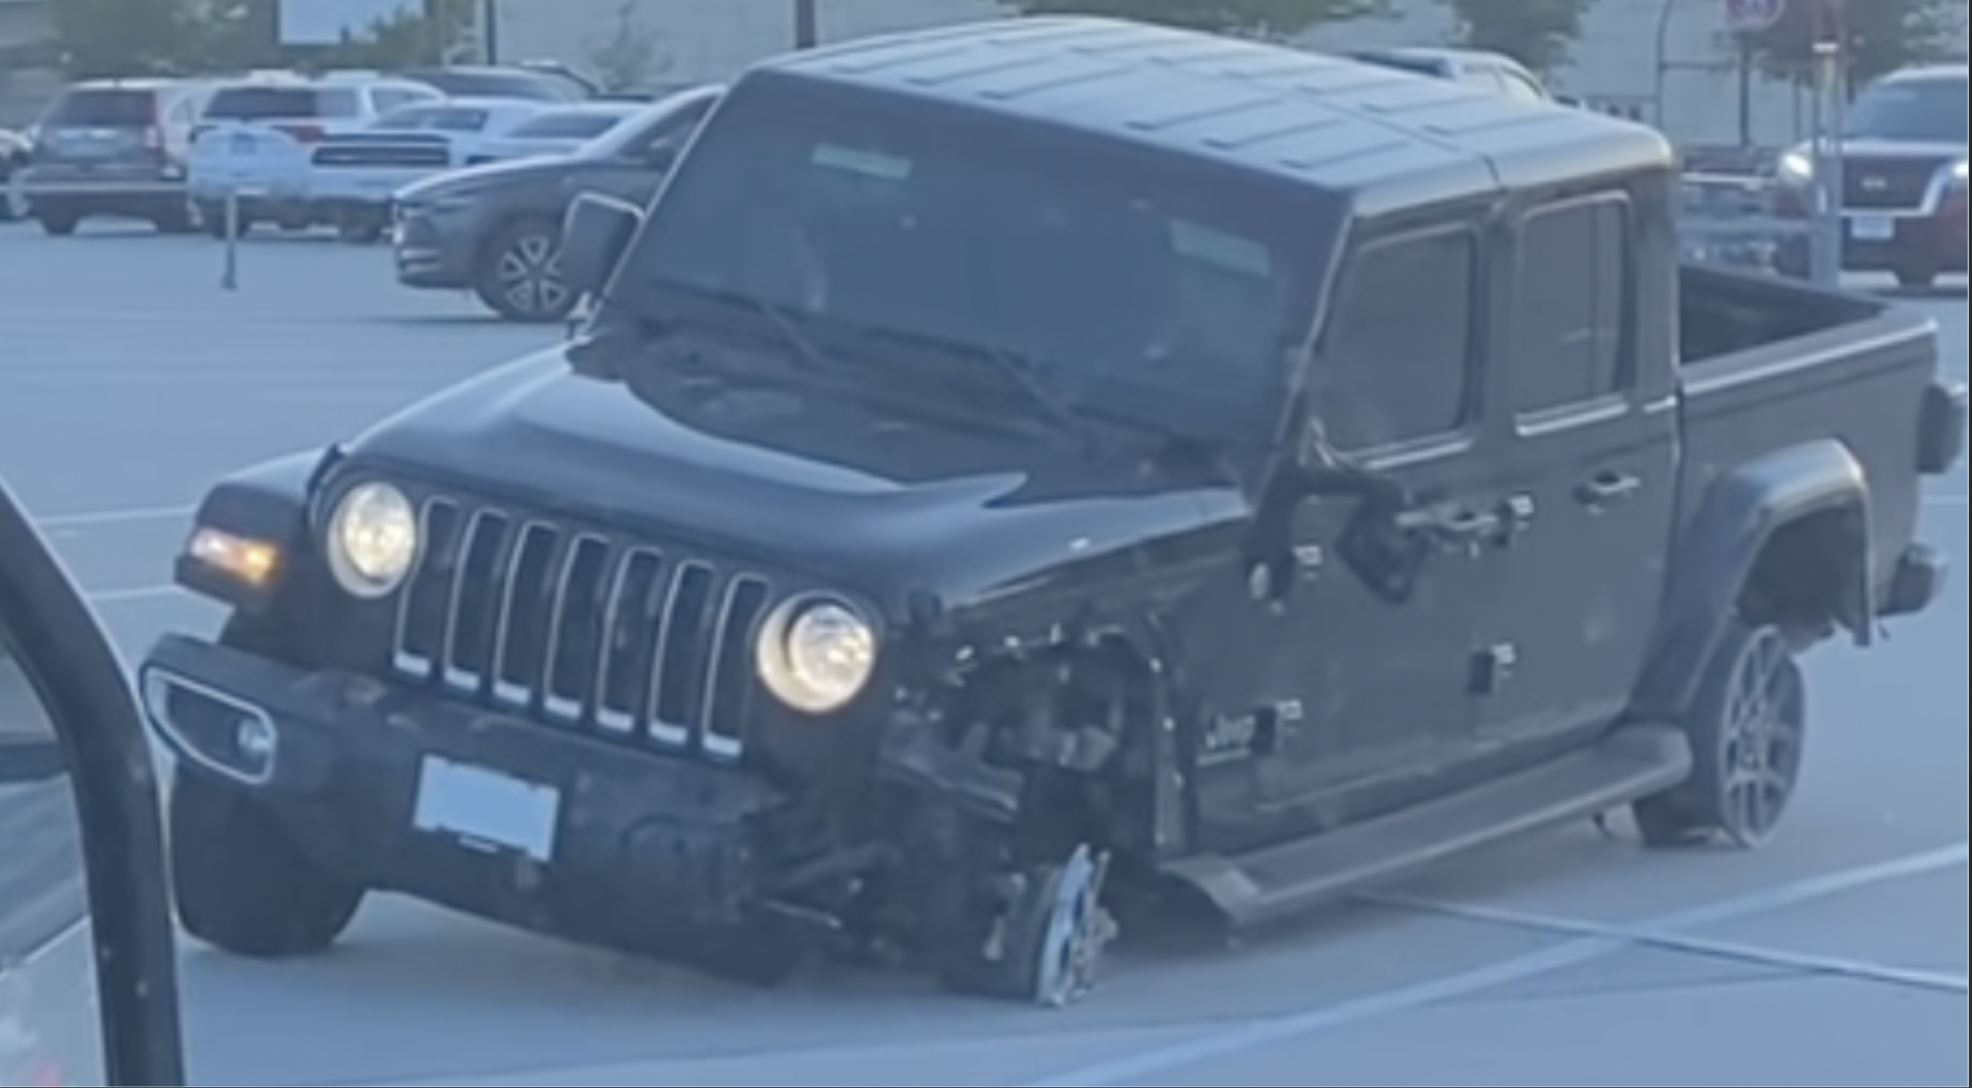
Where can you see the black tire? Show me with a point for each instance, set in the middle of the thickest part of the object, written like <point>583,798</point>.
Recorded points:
<point>242,884</point>
<point>519,273</point>
<point>9,206</point>
<point>59,223</point>
<point>1748,727</point>
<point>181,221</point>
<point>362,233</point>
<point>1046,945</point>
<point>213,218</point>
<point>1915,277</point>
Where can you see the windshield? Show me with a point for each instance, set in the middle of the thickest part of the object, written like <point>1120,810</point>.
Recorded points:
<point>104,109</point>
<point>569,125</point>
<point>1121,273</point>
<point>1931,110</point>
<point>260,103</point>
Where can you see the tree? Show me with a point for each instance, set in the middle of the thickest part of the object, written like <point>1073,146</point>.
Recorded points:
<point>98,38</point>
<point>1538,33</point>
<point>1883,36</point>
<point>429,33</point>
<point>1250,18</point>
<point>630,55</point>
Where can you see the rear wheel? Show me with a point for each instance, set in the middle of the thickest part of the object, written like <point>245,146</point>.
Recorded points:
<point>519,275</point>
<point>58,222</point>
<point>213,218</point>
<point>1748,730</point>
<point>175,221</point>
<point>241,881</point>
<point>1913,276</point>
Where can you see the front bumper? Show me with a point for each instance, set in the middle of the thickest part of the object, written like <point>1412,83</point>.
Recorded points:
<point>106,188</point>
<point>432,250</point>
<point>494,816</point>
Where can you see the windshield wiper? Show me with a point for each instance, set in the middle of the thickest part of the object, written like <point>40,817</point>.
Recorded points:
<point>1017,369</point>
<point>812,356</point>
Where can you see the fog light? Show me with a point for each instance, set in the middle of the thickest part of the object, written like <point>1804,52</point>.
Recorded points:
<point>253,739</point>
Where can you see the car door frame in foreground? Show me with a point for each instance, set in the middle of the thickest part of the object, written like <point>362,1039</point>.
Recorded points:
<point>60,644</point>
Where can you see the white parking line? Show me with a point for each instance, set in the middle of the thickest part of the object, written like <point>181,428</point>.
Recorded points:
<point>89,519</point>
<point>1755,955</point>
<point>1261,1034</point>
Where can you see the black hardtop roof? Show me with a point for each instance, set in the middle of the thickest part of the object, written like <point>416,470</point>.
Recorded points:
<point>1382,139</point>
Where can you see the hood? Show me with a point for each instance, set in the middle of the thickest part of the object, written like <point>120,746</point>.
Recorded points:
<point>793,479</point>
<point>1864,148</point>
<point>492,173</point>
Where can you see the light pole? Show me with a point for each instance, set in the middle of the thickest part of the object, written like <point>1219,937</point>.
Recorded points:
<point>807,25</point>
<point>1831,73</point>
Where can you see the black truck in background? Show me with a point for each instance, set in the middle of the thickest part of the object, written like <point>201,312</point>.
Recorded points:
<point>970,515</point>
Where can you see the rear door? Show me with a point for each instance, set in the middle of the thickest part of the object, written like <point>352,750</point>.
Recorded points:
<point>91,126</point>
<point>1592,457</point>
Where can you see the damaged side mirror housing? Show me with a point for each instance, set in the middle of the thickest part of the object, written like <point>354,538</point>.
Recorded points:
<point>594,236</point>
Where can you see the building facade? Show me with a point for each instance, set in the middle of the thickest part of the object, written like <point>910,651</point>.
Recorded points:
<point>1669,61</point>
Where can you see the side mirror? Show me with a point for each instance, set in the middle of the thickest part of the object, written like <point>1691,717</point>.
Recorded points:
<point>88,967</point>
<point>594,235</point>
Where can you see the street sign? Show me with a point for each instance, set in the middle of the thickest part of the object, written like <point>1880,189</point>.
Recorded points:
<point>1753,16</point>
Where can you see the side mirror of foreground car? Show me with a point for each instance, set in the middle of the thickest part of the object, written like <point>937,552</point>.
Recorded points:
<point>88,971</point>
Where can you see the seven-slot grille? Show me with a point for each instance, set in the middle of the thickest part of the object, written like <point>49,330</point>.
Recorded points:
<point>580,629</point>
<point>1888,184</point>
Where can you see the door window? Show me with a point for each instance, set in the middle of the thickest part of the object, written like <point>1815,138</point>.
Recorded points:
<point>1570,326</point>
<point>1396,366</point>
<point>386,99</point>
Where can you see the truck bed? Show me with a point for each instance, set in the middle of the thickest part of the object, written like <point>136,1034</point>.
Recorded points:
<point>1768,364</point>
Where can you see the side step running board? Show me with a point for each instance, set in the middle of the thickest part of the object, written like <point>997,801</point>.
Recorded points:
<point>1279,881</point>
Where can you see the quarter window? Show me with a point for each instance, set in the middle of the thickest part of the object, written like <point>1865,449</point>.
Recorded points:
<point>1396,365</point>
<point>1570,327</point>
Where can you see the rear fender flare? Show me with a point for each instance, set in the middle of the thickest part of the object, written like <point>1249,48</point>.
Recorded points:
<point>1742,512</point>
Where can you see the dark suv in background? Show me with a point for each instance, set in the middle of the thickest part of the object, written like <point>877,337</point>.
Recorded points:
<point>1904,150</point>
<point>113,148</point>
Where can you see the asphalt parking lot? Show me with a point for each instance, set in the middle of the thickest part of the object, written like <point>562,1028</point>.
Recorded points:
<point>129,379</point>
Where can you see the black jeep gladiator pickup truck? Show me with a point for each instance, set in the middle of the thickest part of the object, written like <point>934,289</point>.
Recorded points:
<point>1019,473</point>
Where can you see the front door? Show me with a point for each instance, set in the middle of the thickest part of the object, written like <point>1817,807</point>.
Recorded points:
<point>1381,672</point>
<point>1593,457</point>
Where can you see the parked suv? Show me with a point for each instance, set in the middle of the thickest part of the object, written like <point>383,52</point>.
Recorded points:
<point>113,148</point>
<point>1904,156</point>
<point>296,110</point>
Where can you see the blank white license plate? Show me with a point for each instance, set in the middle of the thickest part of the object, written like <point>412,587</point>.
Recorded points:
<point>487,810</point>
<point>1872,228</point>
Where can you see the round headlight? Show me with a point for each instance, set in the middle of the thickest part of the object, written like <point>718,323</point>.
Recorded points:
<point>816,654</point>
<point>372,540</point>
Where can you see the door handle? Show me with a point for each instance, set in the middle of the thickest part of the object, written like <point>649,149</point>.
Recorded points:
<point>1455,529</point>
<point>1608,489</point>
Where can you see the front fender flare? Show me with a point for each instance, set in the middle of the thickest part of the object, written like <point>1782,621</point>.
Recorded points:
<point>1742,511</point>
<point>266,502</point>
